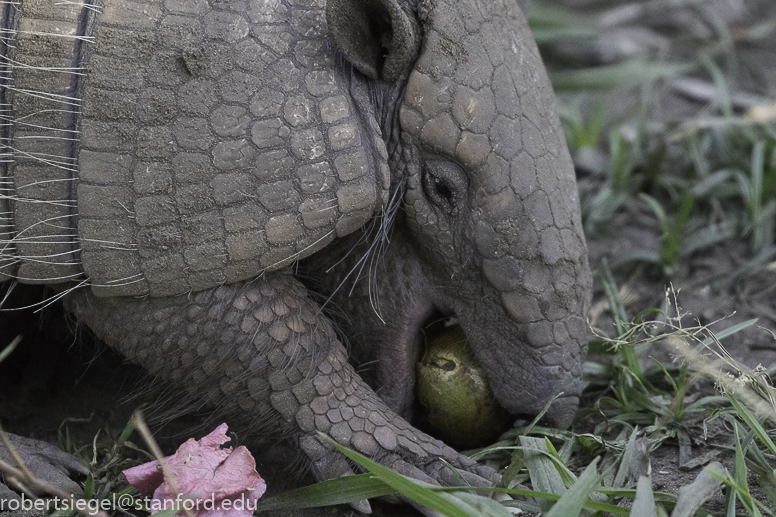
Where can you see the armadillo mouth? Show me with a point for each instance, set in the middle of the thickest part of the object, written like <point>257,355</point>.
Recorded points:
<point>399,345</point>
<point>437,322</point>
<point>421,324</point>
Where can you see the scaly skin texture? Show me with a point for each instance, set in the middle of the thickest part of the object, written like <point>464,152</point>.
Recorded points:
<point>216,143</point>
<point>278,367</point>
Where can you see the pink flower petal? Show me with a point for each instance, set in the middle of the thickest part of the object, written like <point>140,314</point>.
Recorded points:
<point>193,466</point>
<point>145,477</point>
<point>202,470</point>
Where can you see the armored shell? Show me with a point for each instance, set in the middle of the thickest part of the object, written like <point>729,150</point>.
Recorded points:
<point>212,143</point>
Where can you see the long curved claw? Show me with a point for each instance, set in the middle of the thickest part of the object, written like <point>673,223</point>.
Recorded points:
<point>462,478</point>
<point>488,478</point>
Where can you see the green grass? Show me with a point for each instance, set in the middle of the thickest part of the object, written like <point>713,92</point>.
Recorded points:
<point>706,178</point>
<point>106,456</point>
<point>718,162</point>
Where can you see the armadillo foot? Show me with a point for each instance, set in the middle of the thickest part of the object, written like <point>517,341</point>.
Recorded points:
<point>45,462</point>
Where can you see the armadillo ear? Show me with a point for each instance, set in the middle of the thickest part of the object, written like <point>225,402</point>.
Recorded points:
<point>376,36</point>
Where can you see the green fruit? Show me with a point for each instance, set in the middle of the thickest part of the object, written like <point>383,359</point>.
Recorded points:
<point>459,406</point>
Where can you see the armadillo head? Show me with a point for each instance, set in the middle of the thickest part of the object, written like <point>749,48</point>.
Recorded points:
<point>488,229</point>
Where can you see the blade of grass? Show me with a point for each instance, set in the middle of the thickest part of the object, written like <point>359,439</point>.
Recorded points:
<point>477,505</point>
<point>698,404</point>
<point>671,242</point>
<point>644,503</point>
<point>740,477</point>
<point>89,487</point>
<point>543,15</point>
<point>727,332</point>
<point>572,502</point>
<point>544,476</point>
<point>625,75</point>
<point>759,237</point>
<point>619,317</point>
<point>766,476</point>
<point>631,493</point>
<point>692,496</point>
<point>567,449</point>
<point>553,34</point>
<point>624,468</point>
<point>515,466</point>
<point>640,464</point>
<point>335,491</point>
<point>568,477</point>
<point>730,501</point>
<point>10,348</point>
<point>409,488</point>
<point>594,505</point>
<point>524,506</point>
<point>753,423</point>
<point>738,487</point>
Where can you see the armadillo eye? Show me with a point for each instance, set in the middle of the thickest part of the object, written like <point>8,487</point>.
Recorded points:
<point>439,191</point>
<point>445,185</point>
<point>442,188</point>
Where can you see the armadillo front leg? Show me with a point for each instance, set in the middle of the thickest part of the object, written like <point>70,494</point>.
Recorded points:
<point>263,353</point>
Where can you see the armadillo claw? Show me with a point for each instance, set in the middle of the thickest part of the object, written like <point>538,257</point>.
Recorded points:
<point>446,475</point>
<point>464,478</point>
<point>46,462</point>
<point>407,469</point>
<point>461,471</point>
